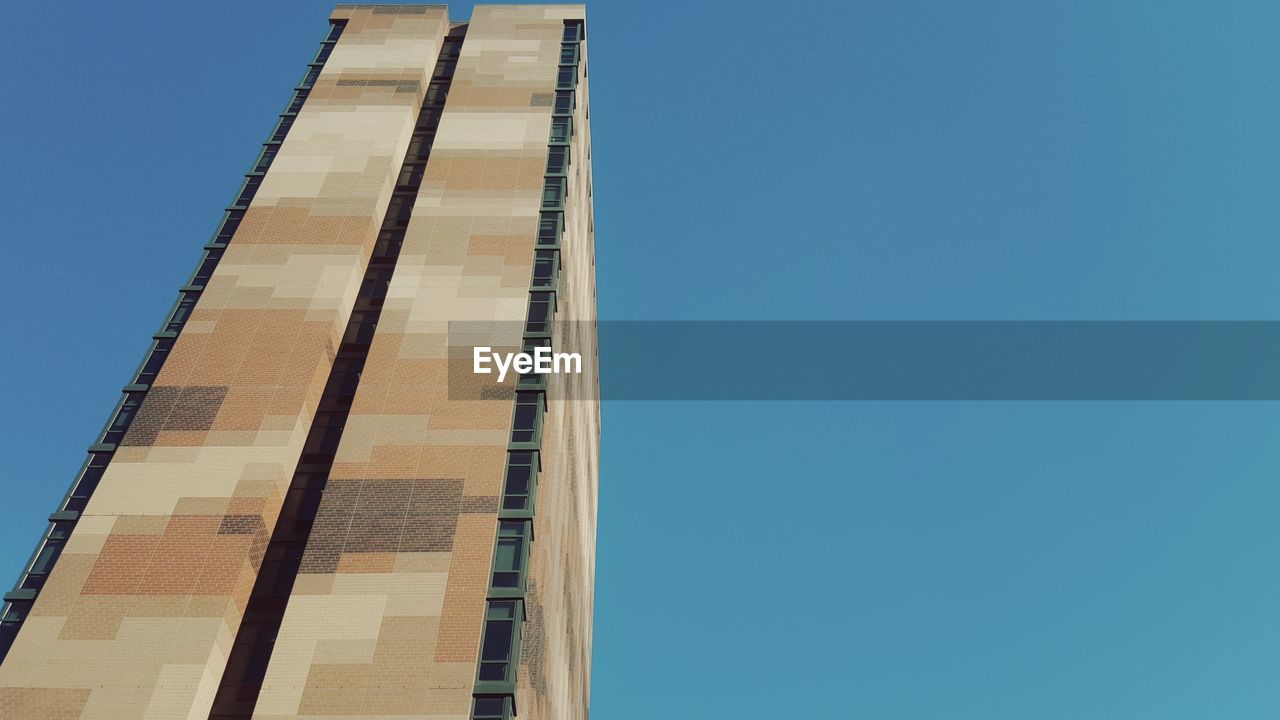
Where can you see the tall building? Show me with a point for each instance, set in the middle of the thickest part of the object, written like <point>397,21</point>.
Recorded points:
<point>303,507</point>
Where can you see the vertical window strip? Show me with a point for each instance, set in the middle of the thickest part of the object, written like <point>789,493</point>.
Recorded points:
<point>18,602</point>
<point>499,658</point>
<point>241,683</point>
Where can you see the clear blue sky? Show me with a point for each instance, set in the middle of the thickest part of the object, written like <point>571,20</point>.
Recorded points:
<point>822,160</point>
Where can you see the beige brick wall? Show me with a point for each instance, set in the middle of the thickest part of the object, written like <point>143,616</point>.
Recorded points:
<point>138,615</point>
<point>428,466</point>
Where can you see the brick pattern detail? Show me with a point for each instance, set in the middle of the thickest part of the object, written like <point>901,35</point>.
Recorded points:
<point>137,618</point>
<point>175,408</point>
<point>385,618</point>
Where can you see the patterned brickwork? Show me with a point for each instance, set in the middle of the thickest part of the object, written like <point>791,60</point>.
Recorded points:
<point>136,619</point>
<point>385,618</point>
<point>386,614</point>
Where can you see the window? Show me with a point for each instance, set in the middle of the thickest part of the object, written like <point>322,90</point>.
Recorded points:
<point>419,146</point>
<point>251,653</point>
<point>564,103</point>
<point>375,283</point>
<point>546,268</point>
<point>204,271</point>
<point>295,104</point>
<point>572,30</point>
<point>46,557</point>
<point>510,554</point>
<point>558,159</point>
<point>88,482</point>
<point>561,129</point>
<point>181,312</point>
<point>526,427</point>
<point>388,245</point>
<point>522,475</point>
<point>326,49</point>
<point>344,377</point>
<point>436,93</point>
<point>569,54</point>
<point>248,190</point>
<point>266,157</point>
<point>567,78</point>
<point>553,192</point>
<point>429,119</point>
<point>310,78</point>
<point>280,566</point>
<point>399,210</point>
<point>541,310</point>
<point>123,417</point>
<point>155,359</point>
<point>230,222</point>
<point>491,708</point>
<point>17,611</point>
<point>361,326</point>
<point>301,502</point>
<point>282,128</point>
<point>500,642</point>
<point>325,433</point>
<point>410,176</point>
<point>549,228</point>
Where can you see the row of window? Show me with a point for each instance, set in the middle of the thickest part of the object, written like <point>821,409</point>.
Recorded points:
<point>18,602</point>
<point>251,651</point>
<point>494,697</point>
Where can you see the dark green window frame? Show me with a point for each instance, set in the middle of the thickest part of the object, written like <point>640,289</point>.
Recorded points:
<point>123,417</point>
<point>567,77</point>
<point>494,695</point>
<point>492,707</point>
<point>546,269</point>
<point>558,159</point>
<point>230,223</point>
<point>533,380</point>
<point>564,103</point>
<point>542,311</point>
<point>561,129</point>
<point>248,189</point>
<point>500,645</point>
<point>267,156</point>
<point>554,190</point>
<point>520,488</point>
<point>322,55</point>
<point>309,80</point>
<point>295,103</point>
<point>282,128</point>
<point>437,93</point>
<point>526,424</point>
<point>204,271</point>
<point>510,557</point>
<point>550,225</point>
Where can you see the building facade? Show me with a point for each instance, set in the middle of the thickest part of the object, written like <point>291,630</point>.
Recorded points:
<point>302,507</point>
